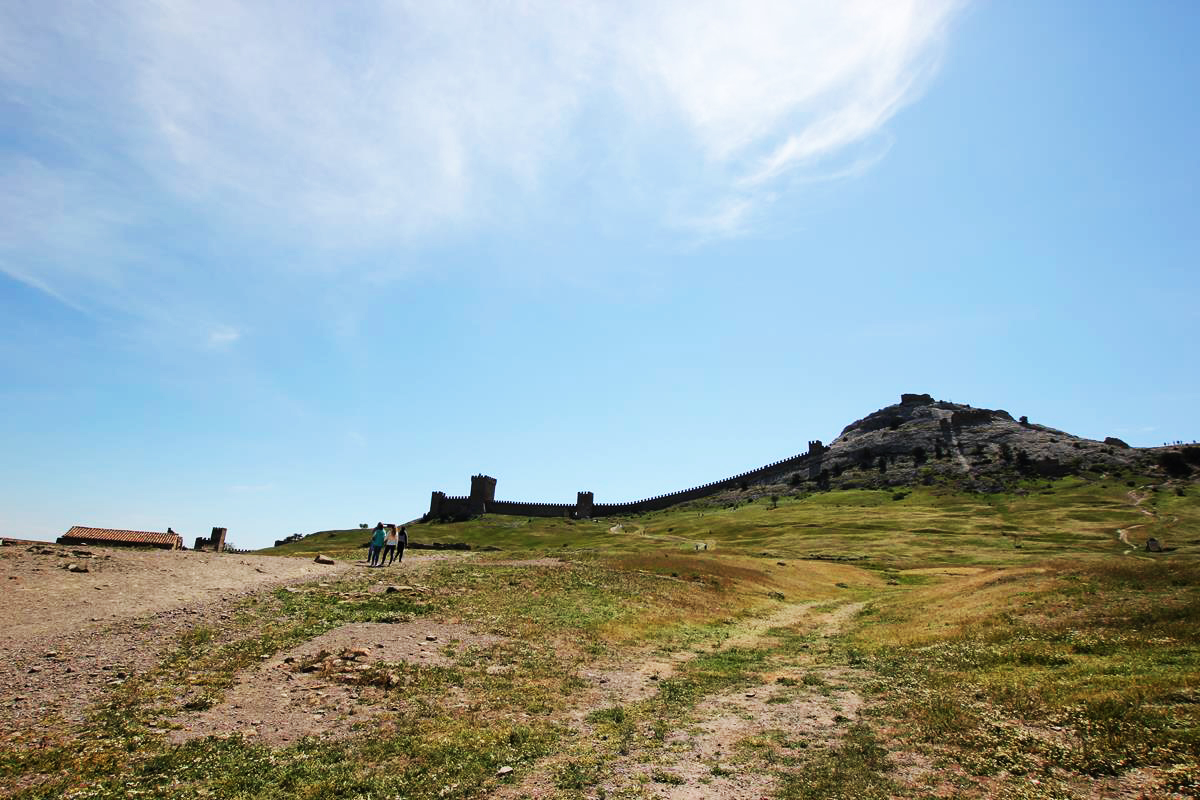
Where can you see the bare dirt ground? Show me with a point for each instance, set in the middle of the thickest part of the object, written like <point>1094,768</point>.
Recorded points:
<point>279,704</point>
<point>67,636</point>
<point>698,758</point>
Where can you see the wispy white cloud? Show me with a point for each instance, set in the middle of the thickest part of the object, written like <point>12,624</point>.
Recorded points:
<point>346,127</point>
<point>223,336</point>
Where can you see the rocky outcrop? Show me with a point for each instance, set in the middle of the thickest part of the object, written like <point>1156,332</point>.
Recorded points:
<point>923,440</point>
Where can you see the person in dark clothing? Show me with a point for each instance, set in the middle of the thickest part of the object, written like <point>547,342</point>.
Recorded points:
<point>401,544</point>
<point>377,537</point>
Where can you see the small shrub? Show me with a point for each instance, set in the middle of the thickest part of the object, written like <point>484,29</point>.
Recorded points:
<point>1174,464</point>
<point>576,775</point>
<point>659,775</point>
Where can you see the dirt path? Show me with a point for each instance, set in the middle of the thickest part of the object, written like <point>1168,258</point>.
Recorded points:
<point>699,544</point>
<point>695,760</point>
<point>1136,499</point>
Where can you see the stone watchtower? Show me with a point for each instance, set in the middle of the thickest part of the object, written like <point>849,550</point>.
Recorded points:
<point>583,505</point>
<point>816,451</point>
<point>435,504</point>
<point>483,493</point>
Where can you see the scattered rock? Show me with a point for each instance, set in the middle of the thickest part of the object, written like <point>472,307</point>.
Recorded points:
<point>431,638</point>
<point>76,568</point>
<point>1153,545</point>
<point>500,773</point>
<point>324,559</point>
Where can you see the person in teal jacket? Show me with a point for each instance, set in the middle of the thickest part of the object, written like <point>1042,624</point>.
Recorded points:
<point>376,545</point>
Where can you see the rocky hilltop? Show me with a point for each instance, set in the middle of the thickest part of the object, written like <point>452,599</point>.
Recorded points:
<point>922,440</point>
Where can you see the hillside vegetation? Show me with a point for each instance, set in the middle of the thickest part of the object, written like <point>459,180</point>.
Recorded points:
<point>904,642</point>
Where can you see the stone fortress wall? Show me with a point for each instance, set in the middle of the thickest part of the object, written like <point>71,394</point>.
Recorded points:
<point>482,499</point>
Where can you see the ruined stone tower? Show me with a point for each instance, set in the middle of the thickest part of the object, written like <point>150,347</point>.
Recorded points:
<point>483,493</point>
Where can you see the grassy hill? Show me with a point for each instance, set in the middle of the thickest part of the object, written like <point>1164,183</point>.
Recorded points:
<point>865,643</point>
<point>894,529</point>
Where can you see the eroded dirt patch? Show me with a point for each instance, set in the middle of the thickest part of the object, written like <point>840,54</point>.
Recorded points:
<point>704,755</point>
<point>709,760</point>
<point>314,690</point>
<point>69,637</point>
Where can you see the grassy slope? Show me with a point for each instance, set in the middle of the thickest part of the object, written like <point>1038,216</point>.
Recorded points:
<point>1001,636</point>
<point>927,526</point>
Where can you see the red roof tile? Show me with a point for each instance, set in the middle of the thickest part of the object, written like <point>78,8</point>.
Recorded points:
<point>139,537</point>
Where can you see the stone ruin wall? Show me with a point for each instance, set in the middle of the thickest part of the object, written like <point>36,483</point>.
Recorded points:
<point>442,506</point>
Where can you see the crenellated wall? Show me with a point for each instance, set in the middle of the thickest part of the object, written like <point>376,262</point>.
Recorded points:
<point>519,509</point>
<point>483,488</point>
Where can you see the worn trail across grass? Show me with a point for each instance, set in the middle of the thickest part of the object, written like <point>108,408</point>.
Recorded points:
<point>962,647</point>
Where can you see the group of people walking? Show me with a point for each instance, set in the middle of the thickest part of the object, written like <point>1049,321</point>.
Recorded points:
<point>387,544</point>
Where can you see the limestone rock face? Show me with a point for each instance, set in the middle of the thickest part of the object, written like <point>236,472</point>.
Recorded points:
<point>922,440</point>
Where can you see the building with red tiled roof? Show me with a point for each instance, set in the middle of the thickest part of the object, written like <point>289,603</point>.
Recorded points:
<point>114,538</point>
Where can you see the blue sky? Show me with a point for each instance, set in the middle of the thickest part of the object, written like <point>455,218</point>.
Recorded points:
<point>283,267</point>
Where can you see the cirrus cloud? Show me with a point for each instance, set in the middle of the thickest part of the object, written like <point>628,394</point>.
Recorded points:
<point>344,127</point>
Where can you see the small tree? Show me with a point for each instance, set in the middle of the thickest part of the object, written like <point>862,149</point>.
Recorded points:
<point>774,501</point>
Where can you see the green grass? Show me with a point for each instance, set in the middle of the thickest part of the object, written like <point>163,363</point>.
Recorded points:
<point>854,769</point>
<point>1092,667</point>
<point>1076,516</point>
<point>1002,637</point>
